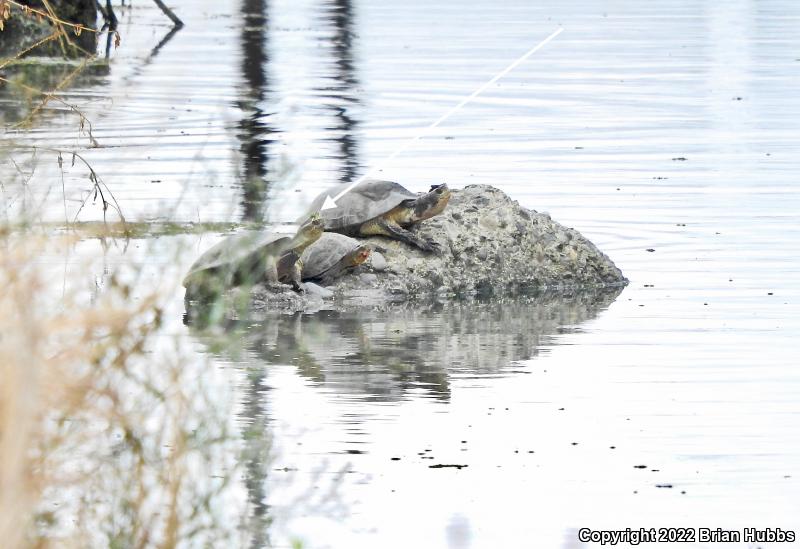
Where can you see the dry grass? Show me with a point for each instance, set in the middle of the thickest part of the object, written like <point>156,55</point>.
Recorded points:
<point>112,432</point>
<point>108,435</point>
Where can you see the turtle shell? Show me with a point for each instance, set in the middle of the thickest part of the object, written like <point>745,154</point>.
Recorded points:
<point>326,252</point>
<point>239,252</point>
<point>367,200</point>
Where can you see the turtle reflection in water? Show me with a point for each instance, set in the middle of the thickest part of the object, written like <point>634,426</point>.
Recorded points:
<point>383,353</point>
<point>249,258</point>
<point>386,208</point>
<point>332,256</point>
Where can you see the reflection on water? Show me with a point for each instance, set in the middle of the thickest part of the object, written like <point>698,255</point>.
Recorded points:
<point>255,132</point>
<point>330,96</point>
<point>383,354</point>
<point>255,454</point>
<point>339,93</point>
<point>664,131</point>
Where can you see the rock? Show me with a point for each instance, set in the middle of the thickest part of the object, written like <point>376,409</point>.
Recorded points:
<point>490,246</point>
<point>314,289</point>
<point>368,279</point>
<point>377,261</point>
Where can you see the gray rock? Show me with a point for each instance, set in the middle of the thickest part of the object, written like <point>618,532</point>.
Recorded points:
<point>368,279</point>
<point>490,246</point>
<point>377,261</point>
<point>314,289</point>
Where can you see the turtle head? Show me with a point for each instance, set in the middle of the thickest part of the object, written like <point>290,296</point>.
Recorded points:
<point>431,203</point>
<point>309,232</point>
<point>360,255</point>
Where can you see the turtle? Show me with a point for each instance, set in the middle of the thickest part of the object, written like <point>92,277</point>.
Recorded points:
<point>331,256</point>
<point>250,257</point>
<point>377,207</point>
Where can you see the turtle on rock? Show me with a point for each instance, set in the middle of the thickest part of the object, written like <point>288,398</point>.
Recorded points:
<point>376,207</point>
<point>251,257</point>
<point>332,256</point>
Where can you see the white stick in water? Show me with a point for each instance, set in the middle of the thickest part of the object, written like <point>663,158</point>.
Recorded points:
<point>331,202</point>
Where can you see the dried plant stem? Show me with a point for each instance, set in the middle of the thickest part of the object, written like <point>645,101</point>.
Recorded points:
<point>16,56</point>
<point>63,188</point>
<point>98,185</point>
<point>48,96</point>
<point>62,34</point>
<point>52,17</point>
<point>85,123</point>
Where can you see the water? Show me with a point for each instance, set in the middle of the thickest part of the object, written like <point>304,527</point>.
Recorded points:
<point>665,126</point>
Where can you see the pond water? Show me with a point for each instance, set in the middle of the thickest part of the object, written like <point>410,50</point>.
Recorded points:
<point>665,132</point>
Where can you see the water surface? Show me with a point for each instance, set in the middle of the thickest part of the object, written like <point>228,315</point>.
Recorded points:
<point>665,132</point>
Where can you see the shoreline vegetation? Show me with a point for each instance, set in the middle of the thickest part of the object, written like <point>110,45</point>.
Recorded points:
<point>98,426</point>
<point>110,436</point>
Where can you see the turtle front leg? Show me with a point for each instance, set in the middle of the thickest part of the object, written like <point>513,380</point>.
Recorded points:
<point>271,274</point>
<point>393,230</point>
<point>290,270</point>
<point>296,277</point>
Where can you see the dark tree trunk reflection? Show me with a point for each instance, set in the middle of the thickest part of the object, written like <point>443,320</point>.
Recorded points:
<point>256,435</point>
<point>253,134</point>
<point>342,90</point>
<point>338,91</point>
<point>253,130</point>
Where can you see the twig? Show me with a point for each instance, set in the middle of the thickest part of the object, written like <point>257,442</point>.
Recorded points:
<point>63,188</point>
<point>169,13</point>
<point>84,120</point>
<point>51,94</point>
<point>108,14</point>
<point>53,18</point>
<point>63,37</point>
<point>98,184</point>
<point>26,50</point>
<point>25,179</point>
<point>101,9</point>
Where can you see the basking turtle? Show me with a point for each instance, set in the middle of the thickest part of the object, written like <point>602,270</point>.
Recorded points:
<point>331,256</point>
<point>251,257</point>
<point>375,207</point>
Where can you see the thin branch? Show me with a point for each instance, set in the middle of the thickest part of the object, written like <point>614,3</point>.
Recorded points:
<point>84,120</point>
<point>16,56</point>
<point>169,13</point>
<point>63,188</point>
<point>51,94</point>
<point>62,34</point>
<point>28,10</point>
<point>98,184</point>
<point>101,9</point>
